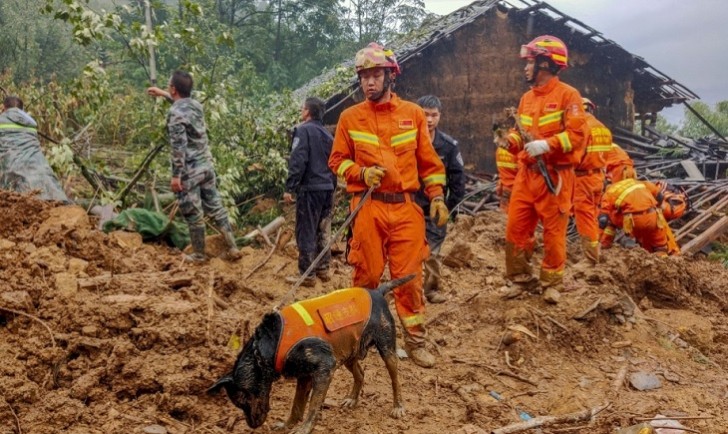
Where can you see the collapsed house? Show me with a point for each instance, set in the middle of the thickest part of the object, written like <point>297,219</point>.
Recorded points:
<point>469,59</point>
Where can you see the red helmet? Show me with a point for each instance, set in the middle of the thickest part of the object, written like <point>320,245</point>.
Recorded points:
<point>588,105</point>
<point>674,204</point>
<point>548,46</point>
<point>376,56</point>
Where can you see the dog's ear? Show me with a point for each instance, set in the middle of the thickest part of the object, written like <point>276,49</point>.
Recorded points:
<point>225,381</point>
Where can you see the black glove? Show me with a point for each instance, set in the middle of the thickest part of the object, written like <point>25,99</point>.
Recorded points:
<point>603,221</point>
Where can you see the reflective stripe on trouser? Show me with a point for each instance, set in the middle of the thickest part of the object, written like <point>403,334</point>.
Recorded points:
<point>587,195</point>
<point>200,198</point>
<point>313,227</point>
<point>531,201</point>
<point>393,231</point>
<point>435,237</point>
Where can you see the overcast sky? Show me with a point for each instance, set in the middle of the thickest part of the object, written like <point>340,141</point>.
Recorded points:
<point>685,40</point>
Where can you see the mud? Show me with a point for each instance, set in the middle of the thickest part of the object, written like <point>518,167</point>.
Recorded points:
<point>103,334</point>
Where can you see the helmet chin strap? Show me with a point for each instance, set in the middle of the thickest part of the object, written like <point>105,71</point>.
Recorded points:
<point>387,84</point>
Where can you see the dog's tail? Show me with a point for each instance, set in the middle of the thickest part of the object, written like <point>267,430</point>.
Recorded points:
<point>385,287</point>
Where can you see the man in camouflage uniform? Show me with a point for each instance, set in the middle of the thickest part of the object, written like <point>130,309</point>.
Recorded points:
<point>193,177</point>
<point>23,167</point>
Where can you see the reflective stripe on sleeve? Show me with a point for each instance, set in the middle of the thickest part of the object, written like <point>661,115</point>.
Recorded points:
<point>344,166</point>
<point>435,179</point>
<point>565,142</point>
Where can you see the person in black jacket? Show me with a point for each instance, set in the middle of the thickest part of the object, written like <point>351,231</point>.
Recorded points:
<point>447,148</point>
<point>312,183</point>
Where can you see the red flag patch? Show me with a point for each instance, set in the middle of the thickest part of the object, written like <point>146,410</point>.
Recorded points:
<point>550,107</point>
<point>406,124</point>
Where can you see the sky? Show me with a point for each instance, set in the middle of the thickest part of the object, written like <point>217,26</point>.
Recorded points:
<point>685,40</point>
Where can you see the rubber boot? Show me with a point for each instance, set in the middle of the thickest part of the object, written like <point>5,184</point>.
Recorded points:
<point>553,284</point>
<point>414,345</point>
<point>197,240</point>
<point>432,281</point>
<point>590,249</point>
<point>232,253</point>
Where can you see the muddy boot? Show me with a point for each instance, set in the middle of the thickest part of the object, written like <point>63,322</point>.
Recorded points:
<point>309,282</point>
<point>552,283</point>
<point>590,249</point>
<point>232,253</point>
<point>551,295</point>
<point>435,297</point>
<point>414,345</point>
<point>197,240</point>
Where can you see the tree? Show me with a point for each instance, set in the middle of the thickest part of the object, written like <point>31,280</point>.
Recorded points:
<point>36,46</point>
<point>717,117</point>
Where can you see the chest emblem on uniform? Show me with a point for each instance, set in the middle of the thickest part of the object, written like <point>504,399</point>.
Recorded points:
<point>550,107</point>
<point>406,124</point>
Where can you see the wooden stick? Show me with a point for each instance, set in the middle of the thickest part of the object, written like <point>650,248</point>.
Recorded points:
<point>551,420</point>
<point>210,305</point>
<point>265,236</point>
<point>27,315</point>
<point>647,419</point>
<point>17,421</point>
<point>270,253</point>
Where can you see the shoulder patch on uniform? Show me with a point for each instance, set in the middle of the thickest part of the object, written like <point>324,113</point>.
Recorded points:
<point>550,107</point>
<point>406,124</point>
<point>296,141</point>
<point>460,159</point>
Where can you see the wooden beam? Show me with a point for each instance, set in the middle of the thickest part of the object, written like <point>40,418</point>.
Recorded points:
<point>712,233</point>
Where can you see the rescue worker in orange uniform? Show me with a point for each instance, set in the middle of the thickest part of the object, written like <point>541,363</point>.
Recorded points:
<point>634,206</point>
<point>554,124</point>
<point>590,183</point>
<point>507,164</point>
<point>383,142</point>
<point>618,164</point>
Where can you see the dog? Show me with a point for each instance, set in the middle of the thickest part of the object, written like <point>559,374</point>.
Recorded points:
<point>308,341</point>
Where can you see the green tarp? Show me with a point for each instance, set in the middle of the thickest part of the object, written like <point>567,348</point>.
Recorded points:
<point>152,226</point>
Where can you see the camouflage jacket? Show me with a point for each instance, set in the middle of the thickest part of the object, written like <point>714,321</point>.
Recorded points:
<point>188,136</point>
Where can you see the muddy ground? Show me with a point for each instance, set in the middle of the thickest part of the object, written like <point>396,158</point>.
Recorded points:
<point>103,334</point>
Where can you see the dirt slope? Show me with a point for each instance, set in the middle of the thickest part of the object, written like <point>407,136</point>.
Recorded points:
<point>134,337</point>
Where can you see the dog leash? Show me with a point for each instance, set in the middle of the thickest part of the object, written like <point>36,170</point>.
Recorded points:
<point>325,249</point>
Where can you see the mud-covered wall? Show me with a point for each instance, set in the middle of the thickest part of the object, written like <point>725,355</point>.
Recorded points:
<point>476,72</point>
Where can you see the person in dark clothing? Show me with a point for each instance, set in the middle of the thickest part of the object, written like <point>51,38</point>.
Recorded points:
<point>312,183</point>
<point>447,149</point>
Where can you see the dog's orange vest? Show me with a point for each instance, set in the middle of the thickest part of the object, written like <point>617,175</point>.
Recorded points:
<point>338,318</point>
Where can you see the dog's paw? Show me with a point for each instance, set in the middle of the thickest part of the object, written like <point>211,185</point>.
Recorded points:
<point>397,412</point>
<point>349,402</point>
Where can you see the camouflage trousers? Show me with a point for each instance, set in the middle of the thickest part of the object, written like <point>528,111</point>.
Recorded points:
<point>200,198</point>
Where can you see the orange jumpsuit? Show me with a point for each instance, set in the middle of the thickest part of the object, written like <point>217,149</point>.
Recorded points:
<point>589,185</point>
<point>553,112</point>
<point>631,205</point>
<point>391,226</point>
<point>617,162</point>
<point>507,165</point>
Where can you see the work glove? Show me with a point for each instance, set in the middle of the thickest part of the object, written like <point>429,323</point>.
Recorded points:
<point>438,211</point>
<point>537,147</point>
<point>603,221</point>
<point>372,176</point>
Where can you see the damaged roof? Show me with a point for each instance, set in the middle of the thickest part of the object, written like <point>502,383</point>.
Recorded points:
<point>652,87</point>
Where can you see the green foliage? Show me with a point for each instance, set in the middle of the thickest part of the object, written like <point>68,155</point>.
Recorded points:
<point>719,254</point>
<point>665,127</point>
<point>243,55</point>
<point>717,117</point>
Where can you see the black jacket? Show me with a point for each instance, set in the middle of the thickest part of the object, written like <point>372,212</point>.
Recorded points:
<point>308,168</point>
<point>448,151</point>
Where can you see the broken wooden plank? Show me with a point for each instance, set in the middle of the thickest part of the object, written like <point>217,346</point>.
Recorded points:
<point>711,234</point>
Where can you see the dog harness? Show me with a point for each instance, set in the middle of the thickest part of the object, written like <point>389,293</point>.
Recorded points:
<point>338,318</point>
